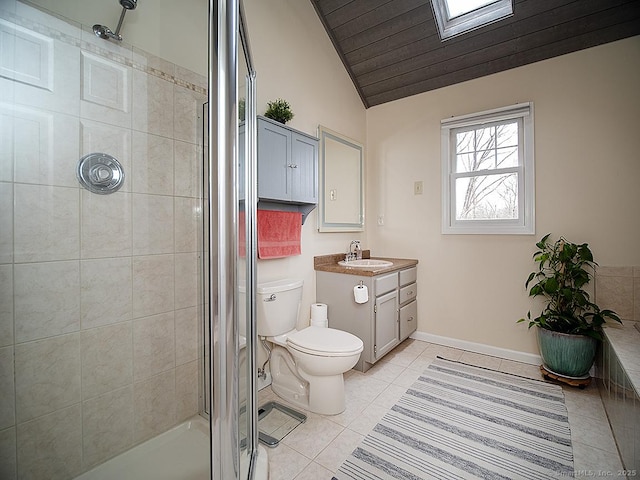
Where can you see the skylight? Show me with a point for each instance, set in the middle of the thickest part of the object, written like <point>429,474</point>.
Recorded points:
<point>455,17</point>
<point>456,8</point>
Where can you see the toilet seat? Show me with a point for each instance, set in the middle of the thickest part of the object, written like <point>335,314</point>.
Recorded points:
<point>325,342</point>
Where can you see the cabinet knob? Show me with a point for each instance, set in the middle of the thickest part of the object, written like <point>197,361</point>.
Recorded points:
<point>410,319</point>
<point>293,165</point>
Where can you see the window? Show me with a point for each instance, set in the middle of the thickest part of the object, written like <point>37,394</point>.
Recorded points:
<point>488,176</point>
<point>459,16</point>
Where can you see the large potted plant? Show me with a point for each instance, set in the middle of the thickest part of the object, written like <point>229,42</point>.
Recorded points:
<point>570,324</point>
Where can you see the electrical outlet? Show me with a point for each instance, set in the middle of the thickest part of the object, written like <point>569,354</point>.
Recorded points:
<point>417,188</point>
<point>380,220</point>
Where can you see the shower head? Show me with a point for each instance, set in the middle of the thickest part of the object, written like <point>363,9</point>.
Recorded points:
<point>105,32</point>
<point>129,4</point>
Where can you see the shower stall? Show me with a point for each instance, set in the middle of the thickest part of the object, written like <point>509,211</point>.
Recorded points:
<point>120,228</point>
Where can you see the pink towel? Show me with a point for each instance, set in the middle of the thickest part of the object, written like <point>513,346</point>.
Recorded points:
<point>278,233</point>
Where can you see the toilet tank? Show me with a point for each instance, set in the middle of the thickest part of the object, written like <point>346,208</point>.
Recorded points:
<point>278,306</point>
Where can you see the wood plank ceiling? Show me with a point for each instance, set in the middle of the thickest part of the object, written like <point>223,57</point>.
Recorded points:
<point>392,50</point>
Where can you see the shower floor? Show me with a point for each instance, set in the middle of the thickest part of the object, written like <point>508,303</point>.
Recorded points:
<point>182,452</point>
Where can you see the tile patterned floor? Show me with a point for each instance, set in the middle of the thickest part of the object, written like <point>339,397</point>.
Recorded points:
<point>316,449</point>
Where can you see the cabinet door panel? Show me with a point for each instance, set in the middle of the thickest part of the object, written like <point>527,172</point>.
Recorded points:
<point>274,147</point>
<point>386,323</point>
<point>304,169</point>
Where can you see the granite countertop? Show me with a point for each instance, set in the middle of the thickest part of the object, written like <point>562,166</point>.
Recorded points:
<point>329,263</point>
<point>625,340</point>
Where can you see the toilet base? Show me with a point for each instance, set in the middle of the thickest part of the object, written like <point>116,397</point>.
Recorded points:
<point>326,394</point>
<point>318,394</point>
<point>291,397</point>
<point>284,382</point>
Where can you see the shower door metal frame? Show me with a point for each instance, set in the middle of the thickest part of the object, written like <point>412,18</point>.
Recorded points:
<point>251,236</point>
<point>226,20</point>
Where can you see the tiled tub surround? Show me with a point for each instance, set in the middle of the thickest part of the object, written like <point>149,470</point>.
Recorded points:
<point>99,302</point>
<point>618,364</point>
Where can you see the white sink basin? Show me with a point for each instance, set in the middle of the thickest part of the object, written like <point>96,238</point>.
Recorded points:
<point>366,263</point>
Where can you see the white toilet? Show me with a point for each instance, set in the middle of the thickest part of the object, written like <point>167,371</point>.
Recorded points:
<point>306,365</point>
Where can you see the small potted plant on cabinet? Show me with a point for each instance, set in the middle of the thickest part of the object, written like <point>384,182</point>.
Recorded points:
<point>570,325</point>
<point>279,110</point>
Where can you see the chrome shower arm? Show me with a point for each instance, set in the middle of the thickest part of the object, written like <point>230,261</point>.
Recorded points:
<point>117,32</point>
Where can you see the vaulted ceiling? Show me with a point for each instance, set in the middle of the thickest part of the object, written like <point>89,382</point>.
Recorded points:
<point>392,50</point>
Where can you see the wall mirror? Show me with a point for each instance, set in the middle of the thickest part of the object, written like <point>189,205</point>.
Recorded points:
<point>341,192</point>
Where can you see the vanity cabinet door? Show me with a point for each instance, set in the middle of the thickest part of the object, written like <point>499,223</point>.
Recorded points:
<point>386,324</point>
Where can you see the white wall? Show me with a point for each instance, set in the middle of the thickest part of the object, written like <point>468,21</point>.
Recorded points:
<point>471,287</point>
<point>295,60</point>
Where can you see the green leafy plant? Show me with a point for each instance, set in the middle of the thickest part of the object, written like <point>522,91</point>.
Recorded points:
<point>564,269</point>
<point>279,110</point>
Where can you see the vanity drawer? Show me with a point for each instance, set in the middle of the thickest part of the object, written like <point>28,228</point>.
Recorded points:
<point>386,283</point>
<point>408,293</point>
<point>408,319</point>
<point>408,276</point>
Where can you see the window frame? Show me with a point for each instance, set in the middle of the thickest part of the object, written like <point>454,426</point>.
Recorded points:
<point>525,223</point>
<point>449,27</point>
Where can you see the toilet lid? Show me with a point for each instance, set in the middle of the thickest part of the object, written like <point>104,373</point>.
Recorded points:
<point>325,342</point>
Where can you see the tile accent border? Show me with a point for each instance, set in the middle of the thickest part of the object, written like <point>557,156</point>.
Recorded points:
<point>90,47</point>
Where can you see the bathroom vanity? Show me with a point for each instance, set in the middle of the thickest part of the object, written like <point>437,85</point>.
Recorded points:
<point>386,319</point>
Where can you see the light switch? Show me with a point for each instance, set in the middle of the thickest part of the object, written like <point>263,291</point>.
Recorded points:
<point>333,194</point>
<point>417,188</point>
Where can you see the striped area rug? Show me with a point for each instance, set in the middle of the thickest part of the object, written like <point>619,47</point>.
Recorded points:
<point>459,421</point>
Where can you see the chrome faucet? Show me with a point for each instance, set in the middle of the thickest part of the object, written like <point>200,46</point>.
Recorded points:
<point>355,252</point>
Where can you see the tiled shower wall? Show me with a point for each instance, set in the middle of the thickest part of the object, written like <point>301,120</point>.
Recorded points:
<point>618,288</point>
<point>99,294</point>
<point>618,362</point>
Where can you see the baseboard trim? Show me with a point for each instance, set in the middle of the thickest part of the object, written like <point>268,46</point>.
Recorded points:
<point>479,348</point>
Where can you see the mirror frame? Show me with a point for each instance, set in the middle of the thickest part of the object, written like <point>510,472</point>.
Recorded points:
<point>324,226</point>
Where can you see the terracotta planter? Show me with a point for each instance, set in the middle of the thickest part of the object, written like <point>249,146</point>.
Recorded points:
<point>566,354</point>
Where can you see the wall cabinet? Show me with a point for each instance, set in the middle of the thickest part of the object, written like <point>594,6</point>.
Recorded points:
<point>287,164</point>
<point>388,318</point>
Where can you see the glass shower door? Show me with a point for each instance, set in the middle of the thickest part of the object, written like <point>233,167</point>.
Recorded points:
<point>233,409</point>
<point>100,293</point>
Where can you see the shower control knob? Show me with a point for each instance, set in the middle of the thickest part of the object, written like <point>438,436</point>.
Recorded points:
<point>101,174</point>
